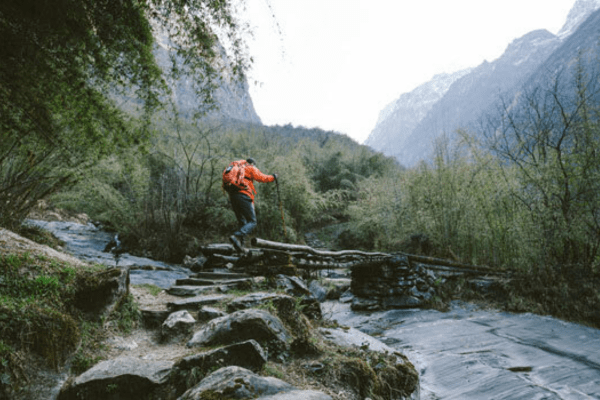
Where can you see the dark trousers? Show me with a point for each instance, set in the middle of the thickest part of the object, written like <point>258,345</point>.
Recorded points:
<point>243,207</point>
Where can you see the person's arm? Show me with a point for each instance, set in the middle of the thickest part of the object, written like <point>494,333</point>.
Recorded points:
<point>259,176</point>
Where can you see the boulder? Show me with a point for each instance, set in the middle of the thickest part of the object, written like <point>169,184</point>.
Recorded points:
<point>241,283</point>
<point>244,325</point>
<point>308,305</point>
<point>400,373</point>
<point>189,291</point>
<point>292,285</point>
<point>154,318</point>
<point>346,297</point>
<point>402,302</point>
<point>99,294</point>
<point>240,383</point>
<point>349,337</point>
<point>362,304</point>
<point>195,264</point>
<point>318,291</point>
<point>179,323</point>
<point>248,354</point>
<point>257,299</point>
<point>120,378</point>
<point>219,276</point>
<point>208,313</point>
<point>311,307</point>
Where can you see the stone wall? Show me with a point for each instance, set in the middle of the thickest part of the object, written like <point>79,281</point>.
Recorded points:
<point>396,283</point>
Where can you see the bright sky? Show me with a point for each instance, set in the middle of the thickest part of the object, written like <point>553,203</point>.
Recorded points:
<point>335,64</point>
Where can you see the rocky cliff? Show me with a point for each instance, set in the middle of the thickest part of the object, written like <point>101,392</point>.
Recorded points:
<point>188,94</point>
<point>231,95</point>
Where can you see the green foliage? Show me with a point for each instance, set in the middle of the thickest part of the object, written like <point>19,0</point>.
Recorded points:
<point>169,198</point>
<point>524,198</point>
<point>548,150</point>
<point>63,64</point>
<point>127,316</point>
<point>86,355</point>
<point>35,313</point>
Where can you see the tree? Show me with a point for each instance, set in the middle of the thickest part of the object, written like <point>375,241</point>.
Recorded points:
<point>64,62</point>
<point>550,136</point>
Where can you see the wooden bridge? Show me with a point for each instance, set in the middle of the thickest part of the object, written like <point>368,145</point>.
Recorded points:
<point>378,280</point>
<point>265,255</point>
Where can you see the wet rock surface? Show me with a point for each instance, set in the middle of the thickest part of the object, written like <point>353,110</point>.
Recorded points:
<point>468,353</point>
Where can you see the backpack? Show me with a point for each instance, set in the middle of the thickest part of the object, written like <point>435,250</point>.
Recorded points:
<point>233,176</point>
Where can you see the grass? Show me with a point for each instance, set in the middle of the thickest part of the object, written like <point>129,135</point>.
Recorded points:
<point>150,288</point>
<point>39,317</point>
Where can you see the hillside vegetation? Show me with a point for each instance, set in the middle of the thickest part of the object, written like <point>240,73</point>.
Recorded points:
<point>521,195</point>
<point>167,198</point>
<point>521,198</point>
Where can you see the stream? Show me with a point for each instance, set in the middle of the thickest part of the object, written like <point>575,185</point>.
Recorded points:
<point>465,353</point>
<point>87,242</point>
<point>468,353</point>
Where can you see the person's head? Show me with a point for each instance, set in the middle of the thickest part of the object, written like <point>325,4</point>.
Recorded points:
<point>251,161</point>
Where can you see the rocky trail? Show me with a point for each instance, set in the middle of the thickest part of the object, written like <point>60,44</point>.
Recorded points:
<point>218,307</point>
<point>214,329</point>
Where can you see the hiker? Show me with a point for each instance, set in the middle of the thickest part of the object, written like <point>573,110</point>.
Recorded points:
<point>238,180</point>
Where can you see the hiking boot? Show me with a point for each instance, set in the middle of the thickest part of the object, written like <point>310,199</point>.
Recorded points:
<point>236,244</point>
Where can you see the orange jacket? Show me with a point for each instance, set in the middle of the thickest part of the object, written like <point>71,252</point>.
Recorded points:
<point>251,174</point>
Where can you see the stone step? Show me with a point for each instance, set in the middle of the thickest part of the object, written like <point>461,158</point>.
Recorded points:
<point>195,303</point>
<point>190,291</point>
<point>208,282</point>
<point>154,318</point>
<point>219,275</point>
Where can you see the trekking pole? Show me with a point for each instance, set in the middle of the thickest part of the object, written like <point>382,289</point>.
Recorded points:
<point>281,208</point>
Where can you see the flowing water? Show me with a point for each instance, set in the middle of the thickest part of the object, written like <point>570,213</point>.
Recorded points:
<point>463,354</point>
<point>87,242</point>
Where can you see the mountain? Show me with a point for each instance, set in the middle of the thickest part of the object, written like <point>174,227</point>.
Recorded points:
<point>398,120</point>
<point>407,132</point>
<point>231,96</point>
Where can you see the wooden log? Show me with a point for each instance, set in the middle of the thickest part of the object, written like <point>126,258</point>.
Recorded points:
<point>350,258</point>
<point>448,263</point>
<point>217,248</point>
<point>261,243</point>
<point>306,264</point>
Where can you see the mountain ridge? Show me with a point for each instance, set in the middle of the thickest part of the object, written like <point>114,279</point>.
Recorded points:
<point>472,95</point>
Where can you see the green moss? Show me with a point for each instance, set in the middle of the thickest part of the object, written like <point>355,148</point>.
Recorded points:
<point>36,315</point>
<point>127,315</point>
<point>55,335</point>
<point>212,395</point>
<point>87,356</point>
<point>359,375</point>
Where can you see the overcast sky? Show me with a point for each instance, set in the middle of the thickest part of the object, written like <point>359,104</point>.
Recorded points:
<point>335,64</point>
